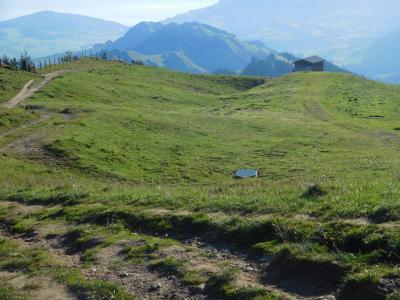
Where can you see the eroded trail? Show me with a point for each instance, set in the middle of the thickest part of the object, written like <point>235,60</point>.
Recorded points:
<point>27,91</point>
<point>42,119</point>
<point>20,96</point>
<point>42,287</point>
<point>146,266</point>
<point>154,265</point>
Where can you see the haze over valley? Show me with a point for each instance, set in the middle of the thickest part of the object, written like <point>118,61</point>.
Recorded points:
<point>358,36</point>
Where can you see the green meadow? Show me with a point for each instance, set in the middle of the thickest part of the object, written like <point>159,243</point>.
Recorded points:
<point>157,150</point>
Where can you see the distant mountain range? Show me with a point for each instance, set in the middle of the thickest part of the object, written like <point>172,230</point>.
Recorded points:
<point>341,30</point>
<point>47,32</point>
<point>356,34</point>
<point>188,47</point>
<point>199,48</point>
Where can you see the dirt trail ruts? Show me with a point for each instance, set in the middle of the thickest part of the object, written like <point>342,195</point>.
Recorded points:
<point>46,288</point>
<point>27,92</point>
<point>111,264</point>
<point>312,106</point>
<point>14,101</point>
<point>29,144</point>
<point>43,118</point>
<point>138,283</point>
<point>139,280</point>
<point>22,208</point>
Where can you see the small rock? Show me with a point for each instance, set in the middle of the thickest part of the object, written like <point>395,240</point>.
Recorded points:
<point>94,270</point>
<point>250,269</point>
<point>327,297</point>
<point>198,289</point>
<point>123,274</point>
<point>30,237</point>
<point>155,286</point>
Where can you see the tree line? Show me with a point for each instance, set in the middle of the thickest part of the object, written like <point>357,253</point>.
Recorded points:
<point>23,63</point>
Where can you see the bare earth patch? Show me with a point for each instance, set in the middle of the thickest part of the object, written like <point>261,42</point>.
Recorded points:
<point>27,92</point>
<point>40,288</point>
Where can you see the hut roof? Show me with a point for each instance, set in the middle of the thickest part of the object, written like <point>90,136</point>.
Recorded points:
<point>312,60</point>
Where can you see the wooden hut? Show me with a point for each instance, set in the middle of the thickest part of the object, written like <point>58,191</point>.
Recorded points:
<point>310,64</point>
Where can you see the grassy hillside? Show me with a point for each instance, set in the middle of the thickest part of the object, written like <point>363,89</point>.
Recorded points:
<point>154,152</point>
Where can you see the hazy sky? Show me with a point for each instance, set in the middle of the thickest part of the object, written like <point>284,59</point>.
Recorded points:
<point>128,12</point>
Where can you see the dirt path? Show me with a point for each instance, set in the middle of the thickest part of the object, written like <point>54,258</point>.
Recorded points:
<point>27,92</point>
<point>42,118</point>
<point>112,263</point>
<point>137,277</point>
<point>45,288</point>
<point>21,208</point>
<point>311,103</point>
<point>14,101</point>
<point>313,108</point>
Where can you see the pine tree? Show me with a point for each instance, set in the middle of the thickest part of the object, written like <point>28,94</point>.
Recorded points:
<point>5,60</point>
<point>14,63</point>
<point>25,63</point>
<point>22,61</point>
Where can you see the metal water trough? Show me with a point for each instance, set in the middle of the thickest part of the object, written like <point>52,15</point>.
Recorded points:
<point>247,173</point>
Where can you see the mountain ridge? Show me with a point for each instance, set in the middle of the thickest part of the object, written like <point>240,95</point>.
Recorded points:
<point>200,48</point>
<point>195,47</point>
<point>338,30</point>
<point>47,32</point>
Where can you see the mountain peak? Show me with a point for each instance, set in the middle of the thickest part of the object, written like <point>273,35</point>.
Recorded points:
<point>47,32</point>
<point>201,46</point>
<point>337,29</point>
